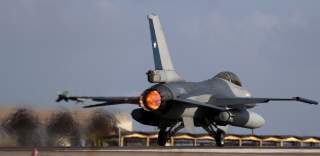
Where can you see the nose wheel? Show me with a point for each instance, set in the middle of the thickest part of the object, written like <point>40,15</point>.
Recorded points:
<point>217,134</point>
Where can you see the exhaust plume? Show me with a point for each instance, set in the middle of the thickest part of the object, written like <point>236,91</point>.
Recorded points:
<point>23,125</point>
<point>63,130</point>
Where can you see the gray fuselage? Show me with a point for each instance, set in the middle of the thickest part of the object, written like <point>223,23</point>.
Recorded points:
<point>205,92</point>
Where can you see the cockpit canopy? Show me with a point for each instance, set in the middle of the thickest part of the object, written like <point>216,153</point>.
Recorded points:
<point>229,76</point>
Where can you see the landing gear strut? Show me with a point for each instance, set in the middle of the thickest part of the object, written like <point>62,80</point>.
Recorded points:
<point>218,134</point>
<point>219,138</point>
<point>162,137</point>
<point>168,131</point>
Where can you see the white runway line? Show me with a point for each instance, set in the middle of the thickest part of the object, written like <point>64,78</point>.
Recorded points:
<point>194,150</point>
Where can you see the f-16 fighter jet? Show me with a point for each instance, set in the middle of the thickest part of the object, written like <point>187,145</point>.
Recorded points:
<point>173,103</point>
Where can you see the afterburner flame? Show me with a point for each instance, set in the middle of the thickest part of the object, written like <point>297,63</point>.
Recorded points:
<point>153,100</point>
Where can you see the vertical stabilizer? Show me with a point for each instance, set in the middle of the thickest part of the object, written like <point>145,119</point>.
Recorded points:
<point>164,70</point>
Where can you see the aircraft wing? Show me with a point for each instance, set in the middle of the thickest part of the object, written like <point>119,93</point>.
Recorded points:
<point>243,101</point>
<point>199,104</point>
<point>219,104</point>
<point>104,100</point>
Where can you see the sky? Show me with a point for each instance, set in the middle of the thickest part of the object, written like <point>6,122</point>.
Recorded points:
<point>103,48</point>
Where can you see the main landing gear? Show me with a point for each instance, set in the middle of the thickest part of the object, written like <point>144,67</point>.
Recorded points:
<point>220,138</point>
<point>218,134</point>
<point>167,131</point>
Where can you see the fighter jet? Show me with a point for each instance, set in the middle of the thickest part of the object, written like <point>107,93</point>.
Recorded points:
<point>173,103</point>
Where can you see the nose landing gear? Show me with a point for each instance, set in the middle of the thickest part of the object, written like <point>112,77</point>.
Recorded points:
<point>217,134</point>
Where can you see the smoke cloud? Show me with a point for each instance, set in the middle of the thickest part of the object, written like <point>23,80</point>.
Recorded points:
<point>63,128</point>
<point>102,124</point>
<point>23,125</point>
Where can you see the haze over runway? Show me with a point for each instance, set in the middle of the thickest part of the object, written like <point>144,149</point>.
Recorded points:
<point>103,48</point>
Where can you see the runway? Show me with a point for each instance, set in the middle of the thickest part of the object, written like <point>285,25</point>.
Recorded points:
<point>163,152</point>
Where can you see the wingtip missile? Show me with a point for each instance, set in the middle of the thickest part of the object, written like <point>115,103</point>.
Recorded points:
<point>305,100</point>
<point>63,96</point>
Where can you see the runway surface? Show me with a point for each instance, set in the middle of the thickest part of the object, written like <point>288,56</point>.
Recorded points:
<point>162,152</point>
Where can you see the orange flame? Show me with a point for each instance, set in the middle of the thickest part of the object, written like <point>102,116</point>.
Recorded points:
<point>153,100</point>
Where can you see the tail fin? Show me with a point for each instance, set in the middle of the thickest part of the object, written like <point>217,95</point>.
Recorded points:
<point>164,69</point>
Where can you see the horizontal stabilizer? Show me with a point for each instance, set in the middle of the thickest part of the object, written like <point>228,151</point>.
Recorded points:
<point>101,104</point>
<point>105,100</point>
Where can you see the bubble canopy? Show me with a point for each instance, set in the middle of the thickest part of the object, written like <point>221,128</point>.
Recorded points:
<point>229,76</point>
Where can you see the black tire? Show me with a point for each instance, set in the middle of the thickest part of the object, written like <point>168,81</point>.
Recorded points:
<point>220,138</point>
<point>162,138</point>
